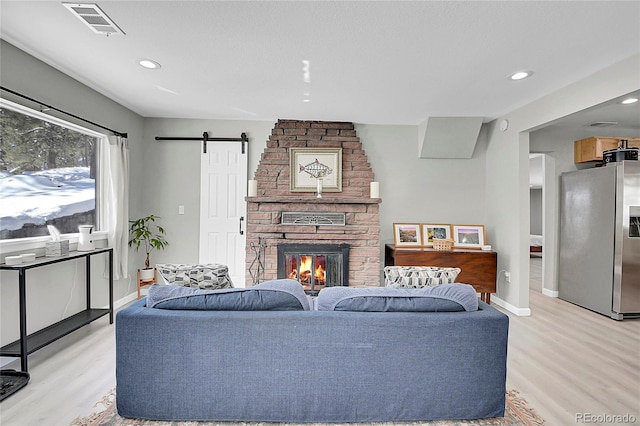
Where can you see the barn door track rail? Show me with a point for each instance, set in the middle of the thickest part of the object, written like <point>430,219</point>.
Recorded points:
<point>205,138</point>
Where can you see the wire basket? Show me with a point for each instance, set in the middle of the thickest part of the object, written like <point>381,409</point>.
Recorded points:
<point>442,244</point>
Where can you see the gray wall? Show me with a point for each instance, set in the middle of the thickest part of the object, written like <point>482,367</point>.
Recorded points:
<point>535,200</point>
<point>422,190</point>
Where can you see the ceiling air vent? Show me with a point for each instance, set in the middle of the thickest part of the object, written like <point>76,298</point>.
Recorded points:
<point>93,17</point>
<point>603,124</point>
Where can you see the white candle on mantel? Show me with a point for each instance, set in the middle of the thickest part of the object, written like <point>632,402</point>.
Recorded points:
<point>253,188</point>
<point>375,189</point>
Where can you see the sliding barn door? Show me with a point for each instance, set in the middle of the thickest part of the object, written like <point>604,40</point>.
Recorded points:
<point>223,187</point>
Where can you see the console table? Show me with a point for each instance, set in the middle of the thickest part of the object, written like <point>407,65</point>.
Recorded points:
<point>478,267</point>
<point>32,342</point>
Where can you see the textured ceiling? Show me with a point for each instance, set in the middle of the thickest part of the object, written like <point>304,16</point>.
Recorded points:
<point>379,62</point>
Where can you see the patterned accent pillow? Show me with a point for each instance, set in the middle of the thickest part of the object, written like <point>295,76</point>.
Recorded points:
<point>418,276</point>
<point>209,276</point>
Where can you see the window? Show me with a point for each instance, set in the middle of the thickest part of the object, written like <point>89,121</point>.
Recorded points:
<point>47,173</point>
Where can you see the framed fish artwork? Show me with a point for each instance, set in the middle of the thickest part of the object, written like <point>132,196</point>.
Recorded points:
<point>308,165</point>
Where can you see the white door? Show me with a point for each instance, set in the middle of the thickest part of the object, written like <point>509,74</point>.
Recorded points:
<point>223,186</point>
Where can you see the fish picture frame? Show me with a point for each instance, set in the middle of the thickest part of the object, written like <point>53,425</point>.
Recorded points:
<point>310,164</point>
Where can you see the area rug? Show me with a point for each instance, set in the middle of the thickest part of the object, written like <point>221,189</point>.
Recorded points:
<point>517,413</point>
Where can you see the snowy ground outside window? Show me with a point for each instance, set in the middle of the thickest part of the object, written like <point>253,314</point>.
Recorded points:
<point>35,197</point>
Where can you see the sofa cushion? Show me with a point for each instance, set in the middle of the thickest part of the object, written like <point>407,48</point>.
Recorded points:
<point>442,298</point>
<point>276,295</point>
<point>418,276</point>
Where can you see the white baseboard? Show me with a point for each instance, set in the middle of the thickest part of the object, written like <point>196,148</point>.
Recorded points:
<point>521,312</point>
<point>124,301</point>
<point>7,360</point>
<point>550,293</point>
<point>116,305</point>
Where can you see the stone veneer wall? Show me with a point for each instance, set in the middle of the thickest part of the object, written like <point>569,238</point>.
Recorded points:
<point>362,229</point>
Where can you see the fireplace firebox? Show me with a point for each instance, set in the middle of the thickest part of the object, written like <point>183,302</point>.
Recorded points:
<point>315,266</point>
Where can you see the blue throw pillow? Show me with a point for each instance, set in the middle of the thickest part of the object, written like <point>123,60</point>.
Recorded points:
<point>276,295</point>
<point>442,298</point>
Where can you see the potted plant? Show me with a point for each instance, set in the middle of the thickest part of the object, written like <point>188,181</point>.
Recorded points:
<point>145,233</point>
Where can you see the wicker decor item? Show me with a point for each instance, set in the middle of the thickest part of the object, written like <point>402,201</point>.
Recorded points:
<point>442,244</point>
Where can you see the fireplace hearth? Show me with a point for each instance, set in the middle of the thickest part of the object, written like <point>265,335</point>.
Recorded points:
<point>314,266</point>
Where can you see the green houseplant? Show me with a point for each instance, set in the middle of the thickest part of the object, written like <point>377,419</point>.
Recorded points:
<point>145,233</point>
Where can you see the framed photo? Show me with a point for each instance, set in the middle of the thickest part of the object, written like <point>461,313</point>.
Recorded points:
<point>468,236</point>
<point>431,231</point>
<point>407,235</point>
<point>309,164</point>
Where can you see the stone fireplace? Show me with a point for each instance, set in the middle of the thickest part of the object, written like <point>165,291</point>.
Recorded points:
<point>349,218</point>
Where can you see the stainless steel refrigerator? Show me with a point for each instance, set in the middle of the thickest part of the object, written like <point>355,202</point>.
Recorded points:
<point>599,264</point>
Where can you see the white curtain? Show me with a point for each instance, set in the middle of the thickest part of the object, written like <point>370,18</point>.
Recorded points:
<point>114,205</point>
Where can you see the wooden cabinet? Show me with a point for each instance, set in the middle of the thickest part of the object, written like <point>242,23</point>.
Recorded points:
<point>591,149</point>
<point>478,267</point>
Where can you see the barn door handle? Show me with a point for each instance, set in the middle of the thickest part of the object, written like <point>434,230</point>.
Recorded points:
<point>241,219</point>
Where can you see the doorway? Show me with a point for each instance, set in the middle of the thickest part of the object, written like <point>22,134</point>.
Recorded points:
<point>543,190</point>
<point>536,234</point>
<point>223,187</point>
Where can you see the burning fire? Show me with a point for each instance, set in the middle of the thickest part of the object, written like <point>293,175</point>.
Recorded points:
<point>305,271</point>
<point>320,274</point>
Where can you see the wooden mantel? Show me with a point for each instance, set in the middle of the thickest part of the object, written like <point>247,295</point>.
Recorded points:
<point>313,200</point>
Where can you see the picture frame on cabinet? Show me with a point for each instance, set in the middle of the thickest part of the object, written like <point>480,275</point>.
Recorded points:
<point>407,235</point>
<point>468,236</point>
<point>432,231</point>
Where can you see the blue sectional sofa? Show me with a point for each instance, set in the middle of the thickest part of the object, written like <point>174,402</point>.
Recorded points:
<point>265,354</point>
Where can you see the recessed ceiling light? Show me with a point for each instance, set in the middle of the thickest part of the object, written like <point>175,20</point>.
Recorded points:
<point>149,64</point>
<point>520,75</point>
<point>630,101</point>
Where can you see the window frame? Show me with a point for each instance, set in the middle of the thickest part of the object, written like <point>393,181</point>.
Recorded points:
<point>32,243</point>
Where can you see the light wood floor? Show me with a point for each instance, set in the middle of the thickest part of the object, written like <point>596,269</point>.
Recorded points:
<point>563,359</point>
<point>567,360</point>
